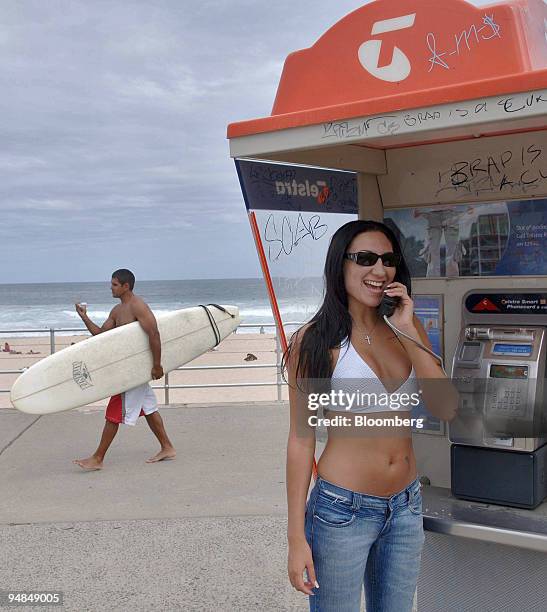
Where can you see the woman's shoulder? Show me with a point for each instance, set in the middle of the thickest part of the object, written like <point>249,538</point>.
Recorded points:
<point>296,337</point>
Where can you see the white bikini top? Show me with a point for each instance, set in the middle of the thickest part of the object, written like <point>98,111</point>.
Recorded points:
<point>353,376</point>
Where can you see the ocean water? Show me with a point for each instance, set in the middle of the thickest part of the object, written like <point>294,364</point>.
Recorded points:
<point>41,306</point>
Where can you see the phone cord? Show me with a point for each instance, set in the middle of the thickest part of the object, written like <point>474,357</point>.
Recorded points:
<point>399,332</point>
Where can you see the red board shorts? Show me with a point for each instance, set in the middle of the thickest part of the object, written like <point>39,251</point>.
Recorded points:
<point>127,407</point>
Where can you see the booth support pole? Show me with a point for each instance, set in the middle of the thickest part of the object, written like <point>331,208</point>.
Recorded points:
<point>369,198</point>
<point>268,279</point>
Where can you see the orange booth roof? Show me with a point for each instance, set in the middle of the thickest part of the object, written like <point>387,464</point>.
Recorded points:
<point>392,56</point>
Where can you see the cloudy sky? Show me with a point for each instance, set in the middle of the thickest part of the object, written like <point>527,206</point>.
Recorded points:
<point>113,122</point>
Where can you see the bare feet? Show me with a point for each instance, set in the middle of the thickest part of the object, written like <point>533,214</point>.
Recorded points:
<point>165,453</point>
<point>90,464</point>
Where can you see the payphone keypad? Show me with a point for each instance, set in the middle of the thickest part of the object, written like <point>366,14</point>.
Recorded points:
<point>509,401</point>
<point>508,388</point>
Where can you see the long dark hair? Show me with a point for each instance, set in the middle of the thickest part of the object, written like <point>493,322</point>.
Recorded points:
<point>332,322</point>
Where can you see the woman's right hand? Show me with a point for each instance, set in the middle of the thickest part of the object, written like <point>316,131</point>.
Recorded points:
<point>300,559</point>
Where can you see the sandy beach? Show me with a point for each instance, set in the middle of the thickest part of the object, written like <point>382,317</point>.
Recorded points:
<point>232,351</point>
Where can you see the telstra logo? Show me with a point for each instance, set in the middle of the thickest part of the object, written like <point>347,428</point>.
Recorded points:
<point>318,190</point>
<point>369,52</point>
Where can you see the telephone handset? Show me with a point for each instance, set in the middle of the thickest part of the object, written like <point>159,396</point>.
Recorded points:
<point>388,305</point>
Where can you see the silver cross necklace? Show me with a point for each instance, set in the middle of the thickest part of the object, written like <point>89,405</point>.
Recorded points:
<point>367,336</point>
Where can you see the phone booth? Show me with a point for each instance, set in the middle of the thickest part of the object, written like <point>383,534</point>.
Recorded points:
<point>431,115</point>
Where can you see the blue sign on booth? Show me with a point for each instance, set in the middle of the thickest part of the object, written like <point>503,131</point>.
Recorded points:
<point>267,186</point>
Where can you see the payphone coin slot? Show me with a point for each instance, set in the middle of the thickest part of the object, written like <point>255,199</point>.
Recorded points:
<point>477,333</point>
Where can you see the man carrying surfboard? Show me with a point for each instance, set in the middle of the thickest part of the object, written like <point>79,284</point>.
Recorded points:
<point>141,401</point>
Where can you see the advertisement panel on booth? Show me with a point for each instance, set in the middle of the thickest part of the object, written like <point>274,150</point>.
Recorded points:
<point>493,239</point>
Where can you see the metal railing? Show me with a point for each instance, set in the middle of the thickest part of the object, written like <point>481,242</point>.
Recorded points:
<point>166,386</point>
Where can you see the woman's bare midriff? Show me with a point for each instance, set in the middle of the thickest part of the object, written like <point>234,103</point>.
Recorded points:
<point>377,462</point>
<point>372,460</point>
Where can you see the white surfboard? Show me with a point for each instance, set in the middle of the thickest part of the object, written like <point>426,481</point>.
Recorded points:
<point>119,359</point>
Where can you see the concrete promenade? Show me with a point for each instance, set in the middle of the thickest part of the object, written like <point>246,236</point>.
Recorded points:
<point>204,532</point>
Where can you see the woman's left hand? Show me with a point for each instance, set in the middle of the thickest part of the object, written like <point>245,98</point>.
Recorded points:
<point>403,317</point>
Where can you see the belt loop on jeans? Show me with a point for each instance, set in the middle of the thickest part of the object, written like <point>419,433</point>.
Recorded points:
<point>356,501</point>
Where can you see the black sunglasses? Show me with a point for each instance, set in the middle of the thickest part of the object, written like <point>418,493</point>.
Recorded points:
<point>368,258</point>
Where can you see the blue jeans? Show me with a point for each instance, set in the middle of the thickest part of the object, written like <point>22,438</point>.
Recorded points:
<point>357,538</point>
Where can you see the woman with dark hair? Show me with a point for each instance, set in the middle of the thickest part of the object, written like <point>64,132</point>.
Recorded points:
<point>362,523</point>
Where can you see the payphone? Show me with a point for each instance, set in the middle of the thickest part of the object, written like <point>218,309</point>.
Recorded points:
<point>499,448</point>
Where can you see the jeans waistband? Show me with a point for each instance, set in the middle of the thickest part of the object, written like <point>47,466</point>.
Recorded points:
<point>363,499</point>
